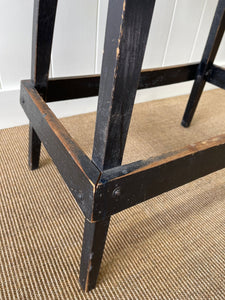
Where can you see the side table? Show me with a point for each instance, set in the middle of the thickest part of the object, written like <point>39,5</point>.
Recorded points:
<point>101,186</point>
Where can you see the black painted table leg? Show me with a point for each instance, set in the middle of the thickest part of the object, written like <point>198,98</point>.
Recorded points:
<point>127,29</point>
<point>93,246</point>
<point>34,149</point>
<point>212,45</point>
<point>43,27</point>
<point>125,43</point>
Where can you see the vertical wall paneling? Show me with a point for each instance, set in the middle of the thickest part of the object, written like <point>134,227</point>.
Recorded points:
<point>169,33</point>
<point>202,34</point>
<point>97,37</point>
<point>158,34</point>
<point>178,34</point>
<point>220,58</point>
<point>11,112</point>
<point>75,37</point>
<point>157,37</point>
<point>183,30</point>
<point>102,14</point>
<point>15,41</point>
<point>1,85</point>
<point>198,30</point>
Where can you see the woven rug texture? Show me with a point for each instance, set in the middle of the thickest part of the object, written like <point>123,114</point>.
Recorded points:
<point>169,247</point>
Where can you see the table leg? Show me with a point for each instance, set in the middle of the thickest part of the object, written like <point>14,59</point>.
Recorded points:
<point>127,29</point>
<point>92,251</point>
<point>43,27</point>
<point>211,48</point>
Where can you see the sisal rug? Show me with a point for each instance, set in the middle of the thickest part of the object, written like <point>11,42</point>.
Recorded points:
<point>169,247</point>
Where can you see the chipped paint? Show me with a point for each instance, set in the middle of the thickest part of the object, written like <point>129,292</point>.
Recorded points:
<point>169,157</point>
<point>88,274</point>
<point>72,147</point>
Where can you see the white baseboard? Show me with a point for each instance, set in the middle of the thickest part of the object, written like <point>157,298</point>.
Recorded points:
<point>11,113</point>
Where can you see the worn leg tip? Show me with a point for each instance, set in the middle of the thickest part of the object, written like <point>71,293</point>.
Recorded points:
<point>82,284</point>
<point>87,286</point>
<point>185,123</point>
<point>33,167</point>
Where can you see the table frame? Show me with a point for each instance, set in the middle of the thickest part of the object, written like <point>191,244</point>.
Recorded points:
<point>101,186</point>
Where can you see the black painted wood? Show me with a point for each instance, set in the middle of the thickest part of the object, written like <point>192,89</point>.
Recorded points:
<point>216,76</point>
<point>78,171</point>
<point>211,48</point>
<point>93,246</point>
<point>34,149</point>
<point>127,30</point>
<point>43,26</point>
<point>128,185</point>
<point>103,187</point>
<point>76,87</point>
<point>88,86</point>
<point>124,49</point>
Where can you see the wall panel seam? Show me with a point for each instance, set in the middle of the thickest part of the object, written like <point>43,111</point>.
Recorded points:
<point>169,34</point>
<point>97,37</point>
<point>1,83</point>
<point>51,71</point>
<point>198,30</point>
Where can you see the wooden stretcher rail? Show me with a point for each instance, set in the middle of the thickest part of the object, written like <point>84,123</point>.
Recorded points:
<point>216,76</point>
<point>88,86</point>
<point>78,171</point>
<point>125,186</point>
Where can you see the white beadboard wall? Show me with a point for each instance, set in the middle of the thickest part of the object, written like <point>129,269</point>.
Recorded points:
<point>178,34</point>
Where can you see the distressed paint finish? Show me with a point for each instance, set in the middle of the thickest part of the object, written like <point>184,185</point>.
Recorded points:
<point>93,245</point>
<point>88,86</point>
<point>127,28</point>
<point>142,180</point>
<point>79,173</point>
<point>102,187</point>
<point>43,26</point>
